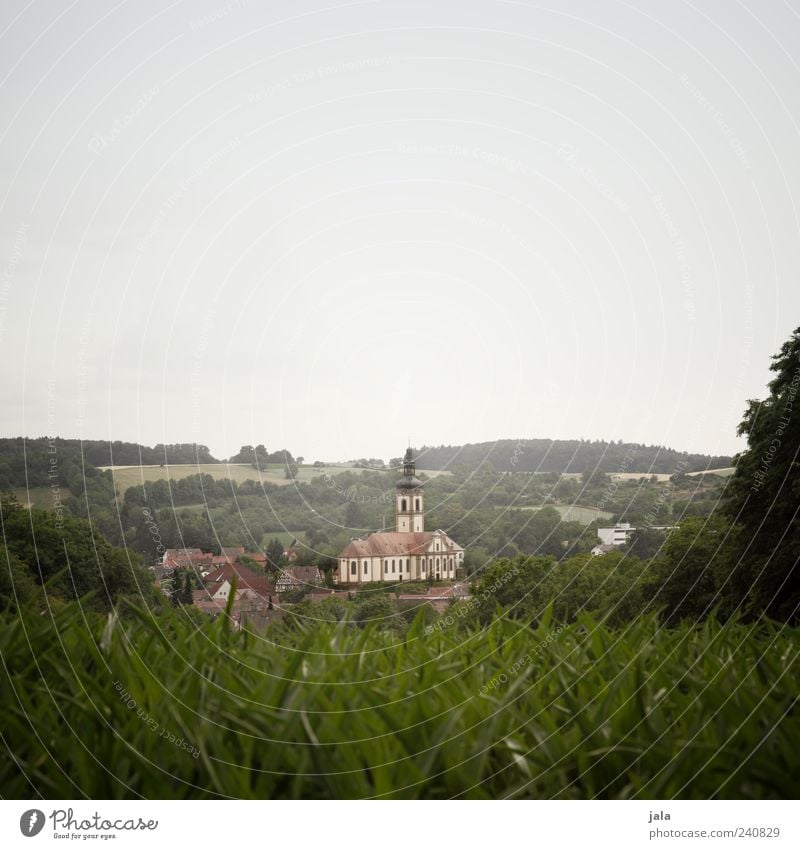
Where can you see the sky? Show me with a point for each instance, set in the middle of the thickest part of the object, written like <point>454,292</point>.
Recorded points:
<point>338,227</point>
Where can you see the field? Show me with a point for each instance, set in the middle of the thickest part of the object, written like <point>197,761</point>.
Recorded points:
<point>660,477</point>
<point>40,496</point>
<point>575,513</point>
<point>128,476</point>
<point>135,707</point>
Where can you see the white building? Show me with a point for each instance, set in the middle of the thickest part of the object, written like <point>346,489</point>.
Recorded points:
<point>618,535</point>
<point>409,552</point>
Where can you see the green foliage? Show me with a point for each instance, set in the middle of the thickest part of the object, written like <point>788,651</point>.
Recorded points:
<point>763,497</point>
<point>565,455</point>
<point>274,554</point>
<point>71,559</point>
<point>16,581</point>
<point>609,587</point>
<point>579,712</point>
<point>689,580</point>
<point>646,543</point>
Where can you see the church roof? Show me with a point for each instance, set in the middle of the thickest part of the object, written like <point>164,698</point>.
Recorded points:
<point>393,543</point>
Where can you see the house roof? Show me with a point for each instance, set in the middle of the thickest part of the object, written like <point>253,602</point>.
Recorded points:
<point>303,574</point>
<point>245,578</point>
<point>393,543</point>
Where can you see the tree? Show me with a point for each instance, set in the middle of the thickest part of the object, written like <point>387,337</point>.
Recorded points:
<point>354,515</point>
<point>73,558</point>
<point>687,581</point>
<point>274,553</point>
<point>646,543</point>
<point>16,582</point>
<point>763,496</point>
<point>187,596</point>
<point>515,584</point>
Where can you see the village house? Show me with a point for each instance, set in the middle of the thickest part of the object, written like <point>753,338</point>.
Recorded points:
<point>298,577</point>
<point>409,552</point>
<point>439,598</point>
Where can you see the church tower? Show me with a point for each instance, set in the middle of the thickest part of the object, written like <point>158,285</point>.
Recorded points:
<point>409,499</point>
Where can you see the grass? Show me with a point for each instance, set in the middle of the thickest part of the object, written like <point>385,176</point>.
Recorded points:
<point>117,709</point>
<point>42,497</point>
<point>128,476</point>
<point>575,513</point>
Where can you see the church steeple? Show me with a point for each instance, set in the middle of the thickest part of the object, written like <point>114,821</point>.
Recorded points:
<point>409,498</point>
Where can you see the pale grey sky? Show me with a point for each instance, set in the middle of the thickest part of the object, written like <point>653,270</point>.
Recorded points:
<point>331,227</point>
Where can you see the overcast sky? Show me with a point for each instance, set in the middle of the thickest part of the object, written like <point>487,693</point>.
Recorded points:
<point>332,227</point>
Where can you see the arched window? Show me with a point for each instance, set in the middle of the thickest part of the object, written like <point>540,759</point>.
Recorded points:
<point>408,566</point>
<point>403,505</point>
<point>416,502</point>
<point>423,564</point>
<point>393,567</point>
<point>352,567</point>
<point>366,567</point>
<point>386,567</point>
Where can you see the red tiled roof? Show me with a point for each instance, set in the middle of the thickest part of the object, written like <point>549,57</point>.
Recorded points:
<point>245,578</point>
<point>388,544</point>
<point>393,543</point>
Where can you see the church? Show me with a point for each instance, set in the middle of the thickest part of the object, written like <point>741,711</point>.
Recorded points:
<point>408,553</point>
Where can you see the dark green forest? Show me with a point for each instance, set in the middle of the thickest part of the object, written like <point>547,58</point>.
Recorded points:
<point>567,455</point>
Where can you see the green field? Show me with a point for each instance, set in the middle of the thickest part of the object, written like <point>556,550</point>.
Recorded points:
<point>330,711</point>
<point>128,476</point>
<point>40,496</point>
<point>575,513</point>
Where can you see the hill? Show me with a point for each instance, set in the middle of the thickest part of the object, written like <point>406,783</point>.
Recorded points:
<point>568,456</point>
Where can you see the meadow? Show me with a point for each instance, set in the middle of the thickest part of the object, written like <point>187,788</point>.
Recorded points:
<point>127,476</point>
<point>575,513</point>
<point>173,707</point>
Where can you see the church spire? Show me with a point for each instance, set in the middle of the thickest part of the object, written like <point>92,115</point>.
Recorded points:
<point>409,498</point>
